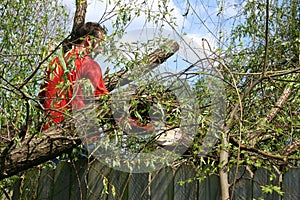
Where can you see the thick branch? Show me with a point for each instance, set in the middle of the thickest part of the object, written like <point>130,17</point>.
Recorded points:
<point>270,116</point>
<point>79,18</point>
<point>36,150</point>
<point>150,62</point>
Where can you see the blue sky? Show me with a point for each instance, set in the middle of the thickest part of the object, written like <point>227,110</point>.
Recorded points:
<point>196,19</point>
<point>202,22</point>
<point>201,19</point>
<point>206,9</point>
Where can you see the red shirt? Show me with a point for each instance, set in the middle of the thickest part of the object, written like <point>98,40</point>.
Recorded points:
<point>62,90</point>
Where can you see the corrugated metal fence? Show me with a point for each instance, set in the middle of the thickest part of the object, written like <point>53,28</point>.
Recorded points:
<point>96,181</point>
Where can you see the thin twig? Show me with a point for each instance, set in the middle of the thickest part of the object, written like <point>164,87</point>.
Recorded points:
<point>266,39</point>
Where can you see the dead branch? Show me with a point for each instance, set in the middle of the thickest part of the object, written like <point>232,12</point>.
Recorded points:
<point>281,157</point>
<point>270,116</point>
<point>145,65</point>
<point>291,148</point>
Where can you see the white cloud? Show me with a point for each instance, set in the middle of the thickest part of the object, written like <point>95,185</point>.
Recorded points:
<point>96,9</point>
<point>190,44</point>
<point>230,8</point>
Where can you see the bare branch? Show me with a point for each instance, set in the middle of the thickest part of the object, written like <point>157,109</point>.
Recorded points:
<point>266,40</point>
<point>291,148</point>
<point>270,116</point>
<point>150,62</point>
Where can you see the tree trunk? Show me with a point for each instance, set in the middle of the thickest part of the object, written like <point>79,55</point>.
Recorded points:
<point>79,18</point>
<point>224,155</point>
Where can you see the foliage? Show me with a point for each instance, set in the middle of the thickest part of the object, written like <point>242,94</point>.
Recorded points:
<point>260,77</point>
<point>28,32</point>
<point>259,64</point>
<point>257,61</point>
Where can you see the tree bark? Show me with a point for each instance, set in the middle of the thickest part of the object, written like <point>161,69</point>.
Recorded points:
<point>79,18</point>
<point>254,137</point>
<point>36,150</point>
<point>224,156</point>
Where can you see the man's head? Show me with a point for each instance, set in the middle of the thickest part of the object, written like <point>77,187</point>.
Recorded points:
<point>89,34</point>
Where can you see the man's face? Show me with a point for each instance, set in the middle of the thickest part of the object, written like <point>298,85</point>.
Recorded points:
<point>96,42</point>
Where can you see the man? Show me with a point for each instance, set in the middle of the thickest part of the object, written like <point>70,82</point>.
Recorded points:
<point>63,89</point>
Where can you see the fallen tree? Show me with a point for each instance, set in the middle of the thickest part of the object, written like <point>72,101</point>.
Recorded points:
<point>37,149</point>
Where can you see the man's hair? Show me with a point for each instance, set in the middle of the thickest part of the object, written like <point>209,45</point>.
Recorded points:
<point>88,29</point>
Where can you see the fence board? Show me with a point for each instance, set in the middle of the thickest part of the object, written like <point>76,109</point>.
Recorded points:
<point>262,178</point>
<point>209,188</point>
<point>187,190</point>
<point>83,181</point>
<point>16,189</point>
<point>95,187</point>
<point>162,184</point>
<point>243,177</point>
<point>291,184</point>
<point>138,186</point>
<point>120,181</point>
<point>28,185</point>
<point>45,184</point>
<point>78,180</point>
<point>62,182</point>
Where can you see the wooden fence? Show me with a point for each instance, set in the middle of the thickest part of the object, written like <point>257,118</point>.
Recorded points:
<point>96,181</point>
